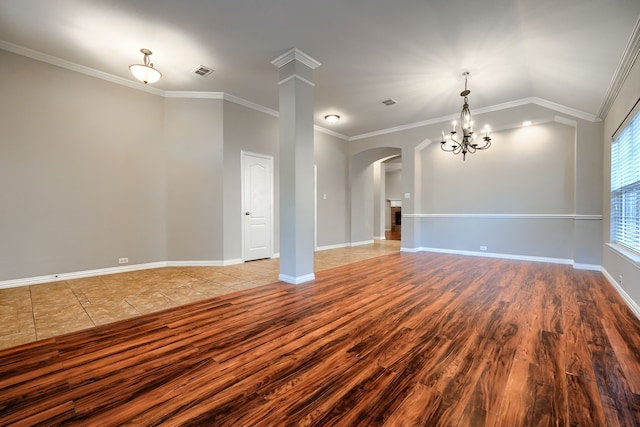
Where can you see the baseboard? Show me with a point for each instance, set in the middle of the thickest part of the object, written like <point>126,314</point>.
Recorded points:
<point>496,255</point>
<point>633,306</point>
<point>296,280</point>
<point>79,274</point>
<point>592,267</point>
<point>326,248</point>
<point>111,270</point>
<point>364,242</point>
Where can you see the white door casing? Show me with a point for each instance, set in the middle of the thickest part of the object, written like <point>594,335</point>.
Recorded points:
<point>257,206</point>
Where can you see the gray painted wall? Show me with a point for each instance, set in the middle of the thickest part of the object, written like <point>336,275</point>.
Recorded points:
<point>252,131</point>
<point>527,171</point>
<point>393,189</point>
<point>332,180</point>
<point>194,146</point>
<point>91,171</point>
<point>82,171</point>
<point>553,173</point>
<point>615,263</point>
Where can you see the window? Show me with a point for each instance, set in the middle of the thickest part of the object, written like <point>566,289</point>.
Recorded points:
<point>625,186</point>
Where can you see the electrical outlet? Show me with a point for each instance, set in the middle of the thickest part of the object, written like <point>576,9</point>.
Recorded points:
<point>620,279</point>
<point>483,248</point>
<point>123,260</point>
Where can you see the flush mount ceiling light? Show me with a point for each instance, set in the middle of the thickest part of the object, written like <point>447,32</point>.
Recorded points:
<point>145,72</point>
<point>527,123</point>
<point>332,118</point>
<point>467,144</point>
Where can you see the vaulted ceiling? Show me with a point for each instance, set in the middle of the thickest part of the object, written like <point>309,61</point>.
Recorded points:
<point>565,52</point>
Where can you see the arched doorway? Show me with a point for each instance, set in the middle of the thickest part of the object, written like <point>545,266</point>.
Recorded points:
<point>370,208</point>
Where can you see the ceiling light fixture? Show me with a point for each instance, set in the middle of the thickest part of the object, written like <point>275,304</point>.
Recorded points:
<point>145,72</point>
<point>527,123</point>
<point>466,145</point>
<point>332,118</point>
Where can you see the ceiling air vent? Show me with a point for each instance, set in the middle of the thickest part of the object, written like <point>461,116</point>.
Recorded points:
<point>203,71</point>
<point>389,102</point>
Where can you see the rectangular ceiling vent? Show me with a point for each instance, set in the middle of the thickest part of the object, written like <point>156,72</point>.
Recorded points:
<point>203,71</point>
<point>389,102</point>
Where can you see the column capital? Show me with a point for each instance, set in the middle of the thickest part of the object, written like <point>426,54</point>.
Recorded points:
<point>295,55</point>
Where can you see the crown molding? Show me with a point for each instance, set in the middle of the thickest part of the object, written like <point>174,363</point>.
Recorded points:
<point>252,105</point>
<point>220,95</point>
<point>193,94</point>
<point>566,110</point>
<point>629,57</point>
<point>42,57</point>
<point>297,55</point>
<point>330,132</point>
<point>633,48</point>
<point>296,76</point>
<point>492,108</point>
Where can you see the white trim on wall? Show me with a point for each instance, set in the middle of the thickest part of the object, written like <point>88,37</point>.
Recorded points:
<point>296,55</point>
<point>508,216</point>
<point>364,242</point>
<point>112,270</point>
<point>328,247</point>
<point>627,299</point>
<point>296,280</point>
<point>517,103</point>
<point>623,69</point>
<point>43,57</point>
<point>577,266</point>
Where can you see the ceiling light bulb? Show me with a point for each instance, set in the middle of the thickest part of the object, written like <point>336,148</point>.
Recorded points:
<point>332,118</point>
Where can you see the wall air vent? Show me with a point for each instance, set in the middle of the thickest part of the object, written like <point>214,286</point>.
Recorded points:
<point>389,102</point>
<point>203,71</point>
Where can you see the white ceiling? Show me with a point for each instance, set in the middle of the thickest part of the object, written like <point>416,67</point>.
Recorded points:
<point>414,51</point>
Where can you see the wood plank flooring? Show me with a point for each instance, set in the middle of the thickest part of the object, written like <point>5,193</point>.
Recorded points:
<point>398,340</point>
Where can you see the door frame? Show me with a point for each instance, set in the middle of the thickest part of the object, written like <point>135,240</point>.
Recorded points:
<point>243,154</point>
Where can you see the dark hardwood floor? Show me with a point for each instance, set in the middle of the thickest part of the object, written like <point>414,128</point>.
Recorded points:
<point>399,340</point>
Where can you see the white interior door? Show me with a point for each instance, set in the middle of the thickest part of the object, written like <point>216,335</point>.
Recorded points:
<point>257,205</point>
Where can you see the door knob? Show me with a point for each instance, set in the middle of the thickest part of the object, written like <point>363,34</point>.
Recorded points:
<point>247,213</point>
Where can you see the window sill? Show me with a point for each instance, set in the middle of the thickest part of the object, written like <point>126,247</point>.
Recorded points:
<point>625,253</point>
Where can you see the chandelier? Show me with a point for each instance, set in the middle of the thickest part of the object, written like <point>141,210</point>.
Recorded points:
<point>467,144</point>
<point>145,72</point>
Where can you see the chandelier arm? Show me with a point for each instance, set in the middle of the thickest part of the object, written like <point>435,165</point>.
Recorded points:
<point>487,144</point>
<point>444,148</point>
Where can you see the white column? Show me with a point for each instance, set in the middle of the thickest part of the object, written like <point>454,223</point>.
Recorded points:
<point>296,165</point>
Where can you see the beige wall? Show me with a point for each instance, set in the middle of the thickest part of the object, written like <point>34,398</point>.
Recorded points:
<point>82,172</point>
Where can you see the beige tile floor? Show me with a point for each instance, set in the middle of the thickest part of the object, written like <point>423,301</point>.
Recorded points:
<point>31,313</point>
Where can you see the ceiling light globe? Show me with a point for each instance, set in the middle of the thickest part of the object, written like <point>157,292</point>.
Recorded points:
<point>145,73</point>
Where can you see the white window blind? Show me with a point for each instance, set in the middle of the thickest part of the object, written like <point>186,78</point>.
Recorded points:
<point>625,186</point>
